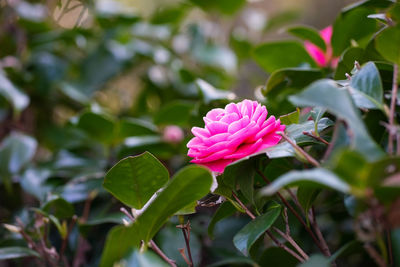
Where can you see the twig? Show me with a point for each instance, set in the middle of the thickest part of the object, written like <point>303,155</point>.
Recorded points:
<point>63,11</point>
<point>292,242</point>
<point>321,238</point>
<point>318,138</point>
<point>374,255</point>
<point>186,234</point>
<point>124,211</point>
<point>295,213</point>
<point>393,107</point>
<point>161,254</point>
<point>300,150</point>
<point>273,238</point>
<point>182,252</point>
<point>80,17</point>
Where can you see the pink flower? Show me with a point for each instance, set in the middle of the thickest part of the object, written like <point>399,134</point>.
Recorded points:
<point>173,134</point>
<point>323,58</point>
<point>233,133</point>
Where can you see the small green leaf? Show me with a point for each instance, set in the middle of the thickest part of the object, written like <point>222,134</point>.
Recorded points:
<point>290,118</point>
<point>307,195</point>
<point>134,180</point>
<point>318,176</point>
<point>249,234</point>
<point>316,260</point>
<point>308,34</point>
<point>283,54</point>
<point>387,43</point>
<point>135,127</point>
<point>176,112</point>
<point>99,126</point>
<point>226,209</point>
<point>367,82</point>
<point>59,207</point>
<point>7,253</point>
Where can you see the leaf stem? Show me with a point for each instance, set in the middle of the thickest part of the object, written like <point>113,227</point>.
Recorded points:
<point>300,150</point>
<point>186,234</point>
<point>395,86</point>
<point>318,138</point>
<point>156,249</point>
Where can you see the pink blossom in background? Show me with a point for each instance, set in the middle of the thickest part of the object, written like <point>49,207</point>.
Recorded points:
<point>323,59</point>
<point>173,134</point>
<point>233,133</point>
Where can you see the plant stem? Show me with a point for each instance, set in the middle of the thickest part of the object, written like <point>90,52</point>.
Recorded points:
<point>392,108</point>
<point>292,242</point>
<point>321,238</point>
<point>374,255</point>
<point>161,254</point>
<point>300,150</point>
<point>65,240</point>
<point>273,238</point>
<point>318,138</point>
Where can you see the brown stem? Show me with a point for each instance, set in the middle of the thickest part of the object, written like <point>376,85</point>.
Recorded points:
<point>307,156</point>
<point>187,239</point>
<point>295,213</point>
<point>392,108</point>
<point>292,242</point>
<point>375,255</point>
<point>318,138</point>
<point>124,211</point>
<point>321,238</point>
<point>273,238</point>
<point>161,254</point>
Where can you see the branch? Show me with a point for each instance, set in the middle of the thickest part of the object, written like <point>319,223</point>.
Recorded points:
<point>156,249</point>
<point>300,150</point>
<point>374,255</point>
<point>318,138</point>
<point>393,107</point>
<point>186,234</point>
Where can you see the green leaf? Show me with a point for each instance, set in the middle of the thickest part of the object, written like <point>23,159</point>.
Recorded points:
<point>241,173</point>
<point>7,253</point>
<point>228,7</point>
<point>307,195</point>
<point>367,82</point>
<point>344,29</point>
<point>97,125</point>
<point>16,150</point>
<point>176,112</point>
<point>308,34</point>
<point>59,207</point>
<point>387,44</point>
<point>282,54</point>
<point>316,260</point>
<point>134,180</point>
<point>225,210</point>
<point>135,127</point>
<point>346,63</point>
<point>210,93</point>
<point>290,78</point>
<point>325,93</point>
<point>249,234</point>
<point>318,176</point>
<point>143,259</point>
<point>8,90</point>
<point>188,185</point>
<point>290,118</point>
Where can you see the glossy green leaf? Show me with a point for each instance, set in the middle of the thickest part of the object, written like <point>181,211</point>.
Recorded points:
<point>143,259</point>
<point>9,91</point>
<point>248,235</point>
<point>134,180</point>
<point>176,112</point>
<point>99,126</point>
<point>367,82</point>
<point>281,54</point>
<point>344,30</point>
<point>317,176</point>
<point>325,93</point>
<point>7,253</point>
<point>290,118</point>
<point>290,78</point>
<point>387,44</point>
<point>188,185</point>
<point>135,127</point>
<point>316,260</point>
<point>308,34</point>
<point>307,195</point>
<point>225,210</point>
<point>346,62</point>
<point>210,93</point>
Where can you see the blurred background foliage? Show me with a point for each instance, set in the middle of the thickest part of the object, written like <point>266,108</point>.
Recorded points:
<point>86,83</point>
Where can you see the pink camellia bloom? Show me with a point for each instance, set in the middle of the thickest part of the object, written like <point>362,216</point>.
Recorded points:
<point>173,134</point>
<point>323,58</point>
<point>233,133</point>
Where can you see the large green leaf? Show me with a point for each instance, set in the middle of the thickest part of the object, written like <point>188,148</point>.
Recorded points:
<point>318,176</point>
<point>346,63</point>
<point>134,180</point>
<point>308,34</point>
<point>325,93</point>
<point>7,253</point>
<point>188,185</point>
<point>282,54</point>
<point>249,234</point>
<point>344,30</point>
<point>368,87</point>
<point>387,43</point>
<point>226,209</point>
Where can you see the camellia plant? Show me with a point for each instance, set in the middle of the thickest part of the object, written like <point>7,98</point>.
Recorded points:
<point>308,174</point>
